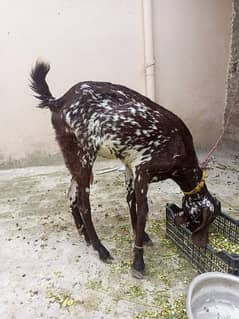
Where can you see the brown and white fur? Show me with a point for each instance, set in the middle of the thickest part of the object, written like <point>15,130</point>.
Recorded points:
<point>99,118</point>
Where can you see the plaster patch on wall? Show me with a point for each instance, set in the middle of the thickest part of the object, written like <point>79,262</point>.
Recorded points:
<point>231,116</point>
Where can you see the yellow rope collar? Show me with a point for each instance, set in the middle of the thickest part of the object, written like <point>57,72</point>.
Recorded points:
<point>199,185</point>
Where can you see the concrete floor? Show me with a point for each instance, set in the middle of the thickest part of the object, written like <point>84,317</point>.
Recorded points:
<point>47,270</point>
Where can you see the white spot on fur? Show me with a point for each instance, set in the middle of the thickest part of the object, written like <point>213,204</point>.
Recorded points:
<point>85,86</point>
<point>146,133</point>
<point>157,143</point>
<point>115,117</point>
<point>176,155</point>
<point>72,191</point>
<point>122,93</point>
<point>137,132</point>
<point>68,118</point>
<point>132,110</point>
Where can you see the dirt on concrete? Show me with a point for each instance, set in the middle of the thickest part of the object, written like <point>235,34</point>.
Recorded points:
<point>48,271</point>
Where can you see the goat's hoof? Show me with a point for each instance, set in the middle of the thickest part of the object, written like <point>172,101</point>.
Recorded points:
<point>88,243</point>
<point>87,240</point>
<point>86,237</point>
<point>106,259</point>
<point>104,254</point>
<point>109,260</point>
<point>137,274</point>
<point>147,241</point>
<point>138,268</point>
<point>82,232</point>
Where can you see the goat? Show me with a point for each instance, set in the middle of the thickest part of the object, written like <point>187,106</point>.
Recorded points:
<point>101,118</point>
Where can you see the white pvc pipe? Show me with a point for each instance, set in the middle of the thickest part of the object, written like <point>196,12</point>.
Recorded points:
<point>149,49</point>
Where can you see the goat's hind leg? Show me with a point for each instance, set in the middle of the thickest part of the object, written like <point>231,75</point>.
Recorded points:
<point>131,200</point>
<point>83,181</point>
<point>80,163</point>
<point>73,196</point>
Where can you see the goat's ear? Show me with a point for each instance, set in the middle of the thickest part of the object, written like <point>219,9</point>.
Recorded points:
<point>181,219</point>
<point>200,234</point>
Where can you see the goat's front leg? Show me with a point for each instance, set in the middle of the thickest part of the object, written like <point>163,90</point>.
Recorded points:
<point>84,208</point>
<point>141,188</point>
<point>131,200</point>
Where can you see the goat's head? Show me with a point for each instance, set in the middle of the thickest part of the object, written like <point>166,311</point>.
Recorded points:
<point>199,207</point>
<point>200,210</point>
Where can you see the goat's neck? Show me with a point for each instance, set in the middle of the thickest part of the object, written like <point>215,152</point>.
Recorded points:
<point>188,179</point>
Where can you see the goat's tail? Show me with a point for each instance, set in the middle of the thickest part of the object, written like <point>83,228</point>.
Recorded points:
<point>40,87</point>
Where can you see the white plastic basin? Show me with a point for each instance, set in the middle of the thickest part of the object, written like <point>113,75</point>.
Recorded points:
<point>213,295</point>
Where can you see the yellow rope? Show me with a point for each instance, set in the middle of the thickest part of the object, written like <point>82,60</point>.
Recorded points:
<point>199,185</point>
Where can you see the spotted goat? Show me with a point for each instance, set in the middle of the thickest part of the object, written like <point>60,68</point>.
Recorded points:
<point>100,118</point>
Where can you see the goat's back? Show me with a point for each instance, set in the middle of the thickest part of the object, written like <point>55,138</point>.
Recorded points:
<point>115,121</point>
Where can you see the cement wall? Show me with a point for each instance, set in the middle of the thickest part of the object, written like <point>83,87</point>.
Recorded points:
<point>82,39</point>
<point>103,40</point>
<point>192,47</point>
<point>231,137</point>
